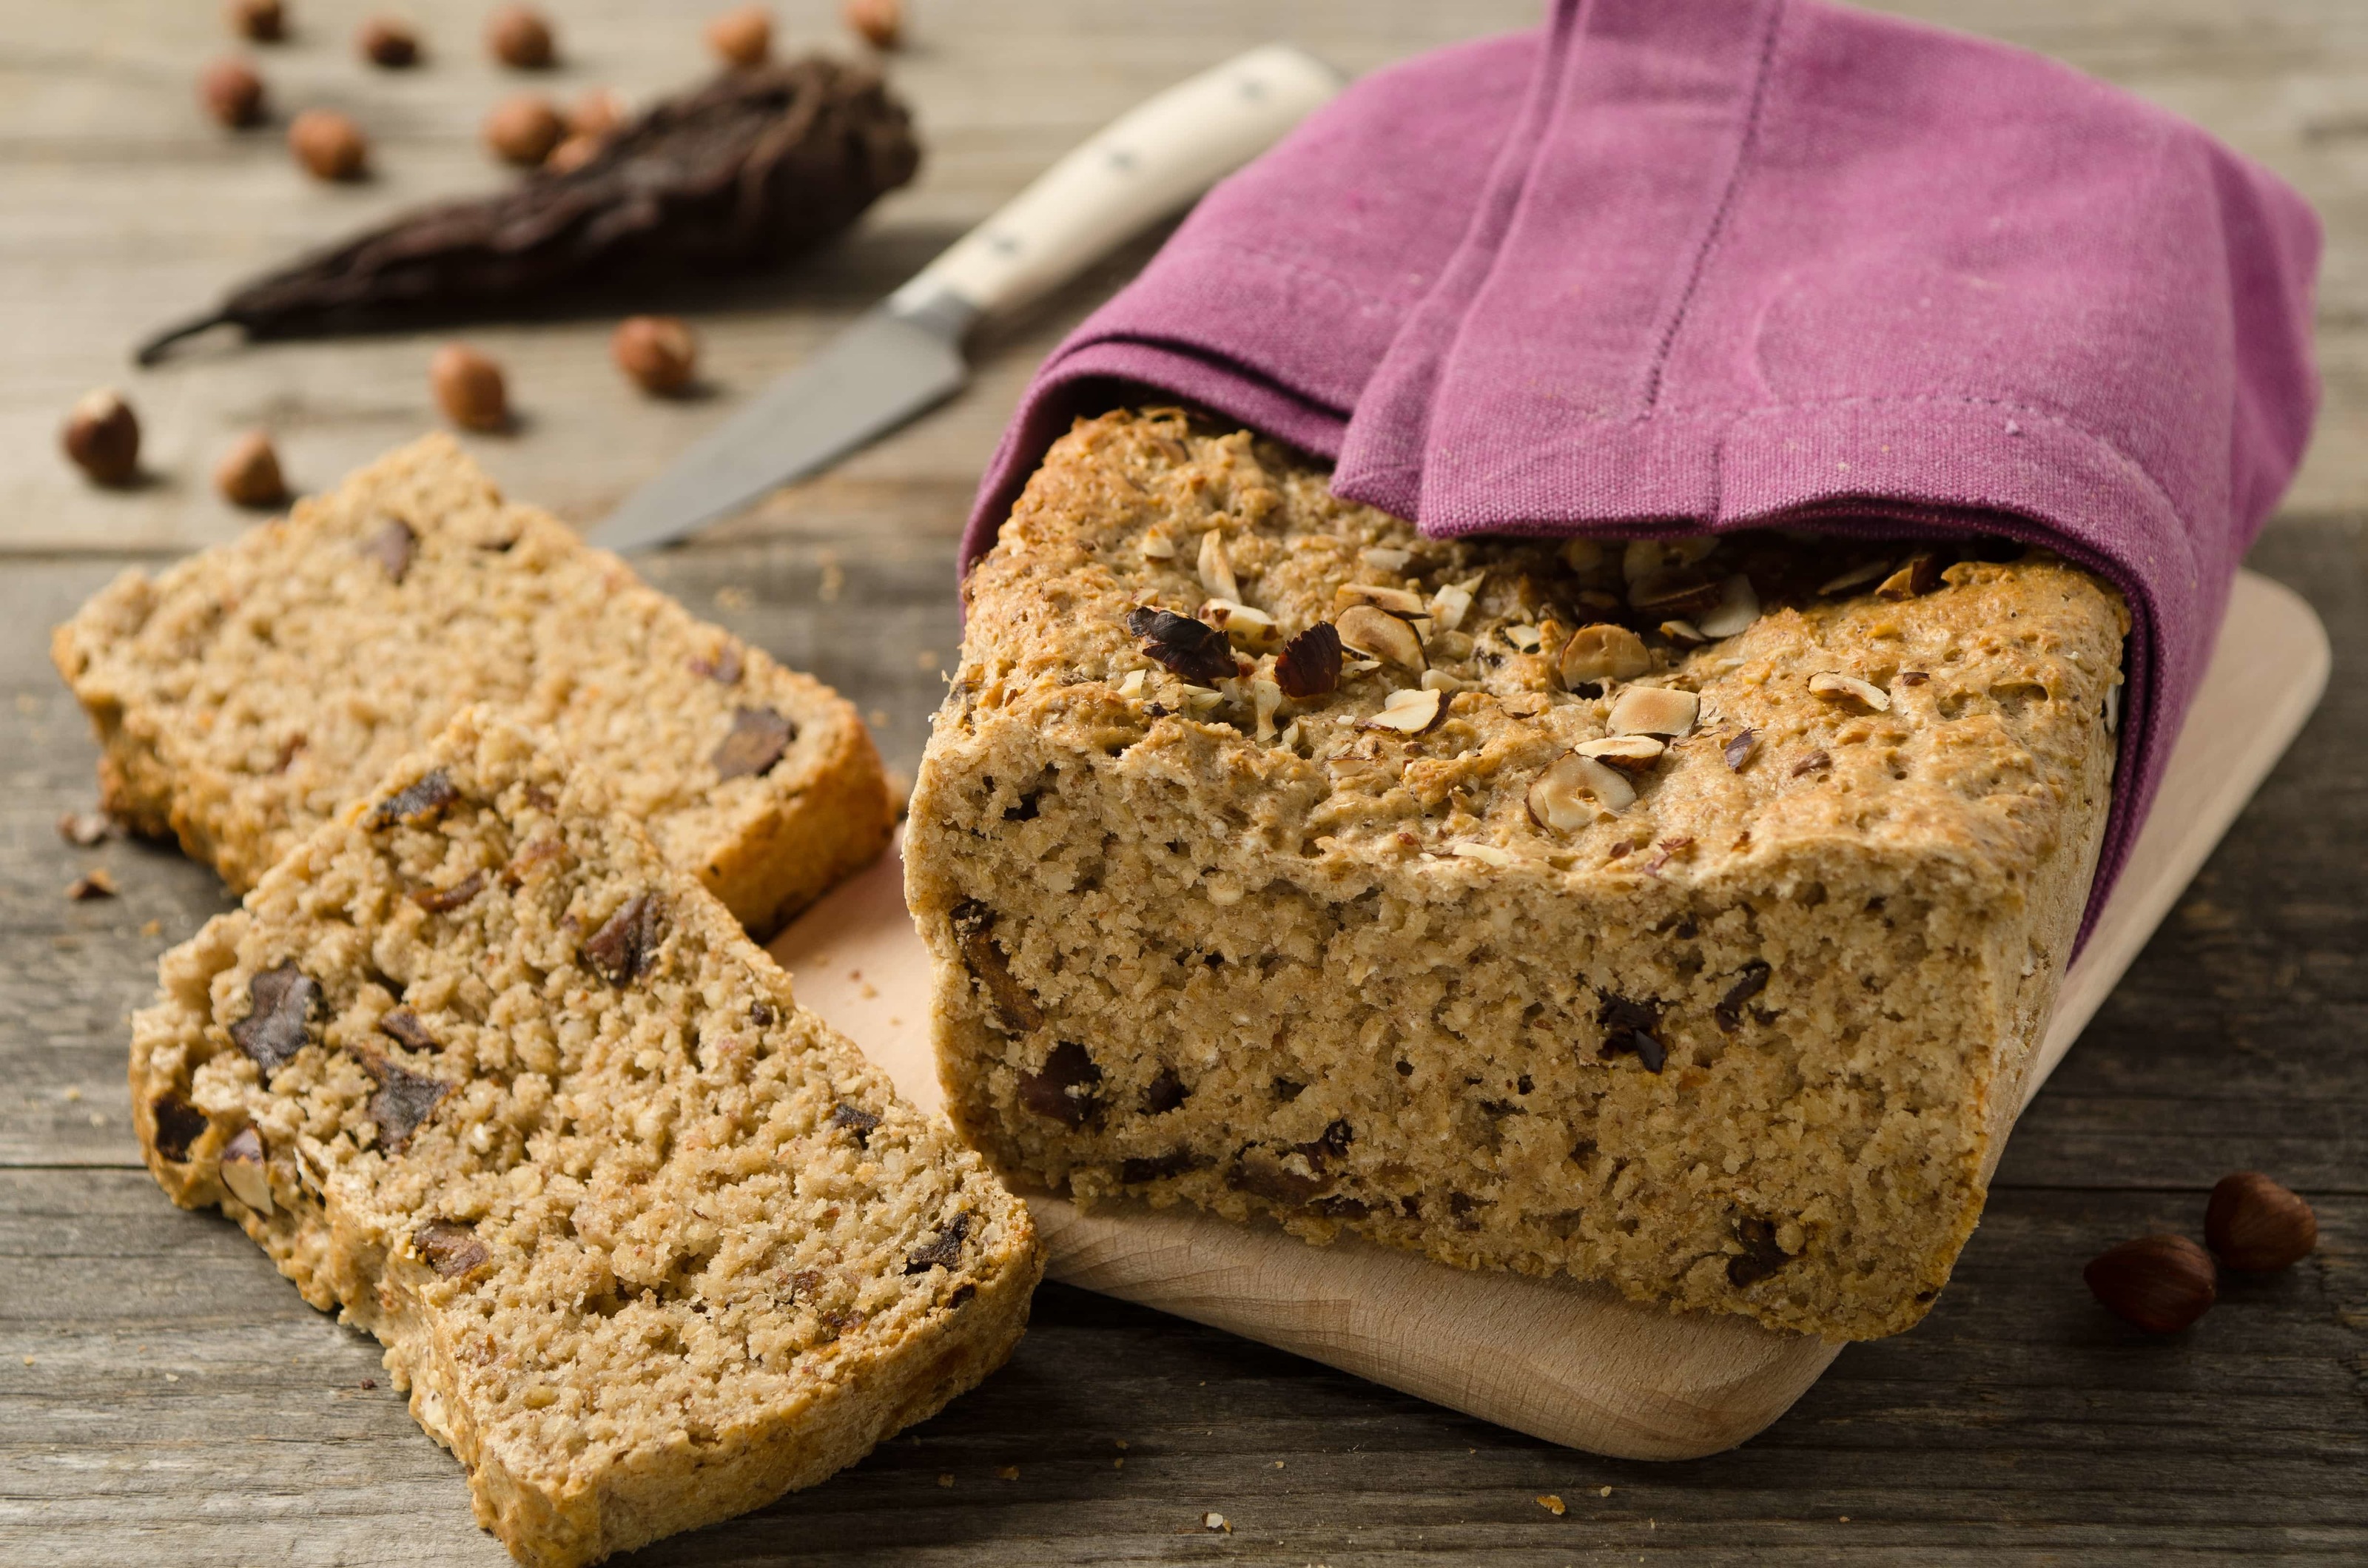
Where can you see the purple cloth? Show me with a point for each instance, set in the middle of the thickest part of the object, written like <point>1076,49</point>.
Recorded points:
<point>1714,264</point>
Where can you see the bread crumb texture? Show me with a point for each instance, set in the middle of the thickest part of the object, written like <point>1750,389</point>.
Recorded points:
<point>243,696</point>
<point>1679,914</point>
<point>647,1245</point>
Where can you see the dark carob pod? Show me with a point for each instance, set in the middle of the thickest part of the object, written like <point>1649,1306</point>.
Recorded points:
<point>753,167</point>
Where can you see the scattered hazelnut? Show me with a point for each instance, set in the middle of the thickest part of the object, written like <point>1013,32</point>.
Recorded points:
<point>574,154</point>
<point>328,145</point>
<point>880,23</point>
<point>102,438</point>
<point>1409,711</point>
<point>596,113</point>
<point>657,352</point>
<point>1602,652</point>
<point>468,388</point>
<point>520,38</point>
<point>1564,796</point>
<point>249,474</point>
<point>1834,685</point>
<point>742,37</point>
<point>2159,1283</point>
<point>1398,601</point>
<point>261,20</point>
<point>1654,710</point>
<point>232,93</point>
<point>387,43</point>
<point>1738,607</point>
<point>1384,636</point>
<point>524,129</point>
<point>91,884</point>
<point>2254,1224</point>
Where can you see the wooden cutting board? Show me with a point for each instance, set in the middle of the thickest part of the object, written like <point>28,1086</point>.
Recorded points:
<point>1571,1363</point>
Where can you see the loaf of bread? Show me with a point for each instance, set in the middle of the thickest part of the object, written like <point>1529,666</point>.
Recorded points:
<point>1681,914</point>
<point>243,696</point>
<point>647,1243</point>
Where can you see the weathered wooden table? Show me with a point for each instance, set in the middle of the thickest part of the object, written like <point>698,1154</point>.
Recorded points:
<point>164,1397</point>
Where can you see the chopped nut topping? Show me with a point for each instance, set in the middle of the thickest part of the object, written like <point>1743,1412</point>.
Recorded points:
<point>1382,634</point>
<point>1855,578</point>
<point>756,742</point>
<point>1486,854</point>
<point>403,1027</point>
<point>1913,677</point>
<point>440,901</point>
<point>1527,639</point>
<point>2113,709</point>
<point>1265,700</point>
<point>1440,680</point>
<point>724,669</point>
<point>1241,624</point>
<point>1833,684</point>
<point>1398,601</point>
<point>1217,567</point>
<point>1409,711</point>
<point>1566,796</point>
<point>1157,546</point>
<point>1815,762</point>
<point>245,1172</point>
<point>278,1018</point>
<point>1133,685</point>
<point>1738,607</point>
<point>1602,652</point>
<point>1680,592</point>
<point>97,882</point>
<point>85,828</point>
<point>1920,574</point>
<point>1310,664</point>
<point>1631,753</point>
<point>1684,632</point>
<point>403,1100</point>
<point>1192,649</point>
<point>1452,603</point>
<point>1739,747</point>
<point>450,1249</point>
<point>392,546</point>
<point>1386,558</point>
<point>1655,710</point>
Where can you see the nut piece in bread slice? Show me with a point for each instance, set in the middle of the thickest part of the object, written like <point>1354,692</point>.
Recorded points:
<point>647,1243</point>
<point>244,695</point>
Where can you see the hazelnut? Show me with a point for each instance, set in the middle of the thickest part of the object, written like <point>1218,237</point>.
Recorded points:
<point>103,438</point>
<point>524,129</point>
<point>744,37</point>
<point>880,23</point>
<point>574,154</point>
<point>387,43</point>
<point>261,20</point>
<point>1602,652</point>
<point>1381,634</point>
<point>468,388</point>
<point>249,474</point>
<point>2254,1224</point>
<point>2159,1283</point>
<point>657,352</point>
<point>520,38</point>
<point>245,1170</point>
<point>596,113</point>
<point>328,145</point>
<point>232,93</point>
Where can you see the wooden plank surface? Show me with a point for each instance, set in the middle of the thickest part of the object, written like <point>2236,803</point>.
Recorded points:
<point>182,1405</point>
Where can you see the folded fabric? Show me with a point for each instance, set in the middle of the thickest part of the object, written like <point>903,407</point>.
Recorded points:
<point>1686,265</point>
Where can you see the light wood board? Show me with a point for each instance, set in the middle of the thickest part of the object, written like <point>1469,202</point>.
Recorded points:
<point>1572,1363</point>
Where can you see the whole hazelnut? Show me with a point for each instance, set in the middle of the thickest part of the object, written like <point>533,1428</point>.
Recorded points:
<point>2254,1224</point>
<point>248,474</point>
<point>261,20</point>
<point>574,154</point>
<point>2159,1283</point>
<point>742,37</point>
<point>328,145</point>
<point>468,388</point>
<point>232,93</point>
<point>388,42</point>
<point>880,23</point>
<point>520,38</point>
<point>596,113</point>
<point>524,129</point>
<point>657,352</point>
<point>102,438</point>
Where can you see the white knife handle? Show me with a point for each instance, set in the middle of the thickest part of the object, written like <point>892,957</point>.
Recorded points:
<point>1136,170</point>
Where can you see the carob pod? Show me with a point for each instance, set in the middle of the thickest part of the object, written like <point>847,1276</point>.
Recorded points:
<point>751,168</point>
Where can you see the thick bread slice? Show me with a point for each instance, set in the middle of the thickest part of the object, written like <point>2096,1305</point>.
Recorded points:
<point>243,695</point>
<point>647,1243</point>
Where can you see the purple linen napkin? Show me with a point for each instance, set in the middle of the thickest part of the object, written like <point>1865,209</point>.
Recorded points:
<point>1712,264</point>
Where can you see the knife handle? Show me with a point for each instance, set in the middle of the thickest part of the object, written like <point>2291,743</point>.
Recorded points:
<point>1135,171</point>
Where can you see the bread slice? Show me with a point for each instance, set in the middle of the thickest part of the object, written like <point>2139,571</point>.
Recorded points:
<point>243,696</point>
<point>1681,914</point>
<point>647,1243</point>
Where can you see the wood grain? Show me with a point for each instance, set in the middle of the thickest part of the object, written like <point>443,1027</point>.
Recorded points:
<point>2017,1426</point>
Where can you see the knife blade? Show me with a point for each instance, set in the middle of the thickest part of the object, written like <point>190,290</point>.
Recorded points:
<point>905,356</point>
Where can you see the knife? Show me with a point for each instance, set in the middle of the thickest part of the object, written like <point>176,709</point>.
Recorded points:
<point>905,355</point>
